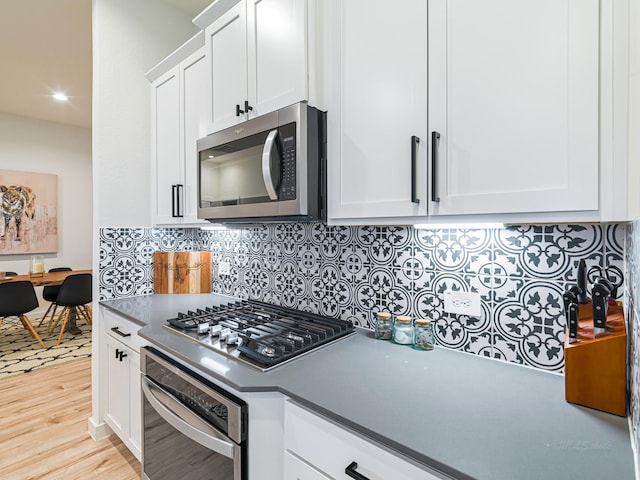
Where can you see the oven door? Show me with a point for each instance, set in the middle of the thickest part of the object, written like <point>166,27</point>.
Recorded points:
<point>179,444</point>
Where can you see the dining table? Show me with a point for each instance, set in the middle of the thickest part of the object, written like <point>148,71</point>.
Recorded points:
<point>48,279</point>
<point>45,279</point>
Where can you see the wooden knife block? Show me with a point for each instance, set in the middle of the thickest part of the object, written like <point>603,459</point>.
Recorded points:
<point>596,367</point>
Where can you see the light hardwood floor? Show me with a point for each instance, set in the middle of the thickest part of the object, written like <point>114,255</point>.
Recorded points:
<point>43,429</point>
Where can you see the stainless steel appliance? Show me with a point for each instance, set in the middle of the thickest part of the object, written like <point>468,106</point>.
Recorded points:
<point>192,429</point>
<point>270,168</point>
<point>256,333</point>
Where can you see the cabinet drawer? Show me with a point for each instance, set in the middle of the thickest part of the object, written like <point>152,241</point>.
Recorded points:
<point>122,329</point>
<point>296,469</point>
<point>330,449</point>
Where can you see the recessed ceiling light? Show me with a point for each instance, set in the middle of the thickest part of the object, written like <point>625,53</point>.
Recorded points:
<point>61,97</point>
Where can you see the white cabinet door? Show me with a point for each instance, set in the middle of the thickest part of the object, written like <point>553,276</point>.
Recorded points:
<point>257,55</point>
<point>296,469</point>
<point>165,146</point>
<point>117,412</point>
<point>123,399</point>
<point>277,54</point>
<point>194,100</point>
<point>513,93</point>
<point>377,109</point>
<point>179,118</point>
<point>226,44</point>
<point>135,405</point>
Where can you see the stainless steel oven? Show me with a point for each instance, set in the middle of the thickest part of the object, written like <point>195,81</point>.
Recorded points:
<point>269,168</point>
<point>192,429</point>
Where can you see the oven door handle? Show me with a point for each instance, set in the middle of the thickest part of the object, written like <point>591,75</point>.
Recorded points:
<point>185,421</point>
<point>270,149</point>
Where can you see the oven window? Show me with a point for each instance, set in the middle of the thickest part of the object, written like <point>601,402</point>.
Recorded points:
<point>170,455</point>
<point>232,174</point>
<point>191,396</point>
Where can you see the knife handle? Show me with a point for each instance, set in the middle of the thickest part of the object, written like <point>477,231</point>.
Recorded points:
<point>600,305</point>
<point>582,282</point>
<point>572,319</point>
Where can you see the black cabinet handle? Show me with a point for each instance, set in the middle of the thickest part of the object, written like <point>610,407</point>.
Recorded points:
<point>351,472</point>
<point>414,158</point>
<point>173,200</point>
<point>117,353</point>
<point>179,189</point>
<point>122,334</point>
<point>238,111</point>
<point>435,149</point>
<point>247,107</point>
<point>122,355</point>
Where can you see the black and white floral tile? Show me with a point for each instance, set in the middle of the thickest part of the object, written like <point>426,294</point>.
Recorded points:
<point>632,312</point>
<point>353,272</point>
<point>126,257</point>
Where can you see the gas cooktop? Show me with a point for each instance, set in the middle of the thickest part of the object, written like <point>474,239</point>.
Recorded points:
<point>259,334</point>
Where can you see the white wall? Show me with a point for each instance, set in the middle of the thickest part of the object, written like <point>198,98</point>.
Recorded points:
<point>129,38</point>
<point>30,145</point>
<point>634,105</point>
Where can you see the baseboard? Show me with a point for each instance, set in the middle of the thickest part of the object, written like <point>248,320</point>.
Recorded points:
<point>98,431</point>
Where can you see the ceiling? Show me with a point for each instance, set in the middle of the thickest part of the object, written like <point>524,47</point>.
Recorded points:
<point>45,46</point>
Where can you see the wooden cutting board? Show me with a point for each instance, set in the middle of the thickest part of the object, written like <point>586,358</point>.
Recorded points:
<point>182,272</point>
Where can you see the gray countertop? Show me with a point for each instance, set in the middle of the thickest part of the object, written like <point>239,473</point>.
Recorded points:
<point>466,416</point>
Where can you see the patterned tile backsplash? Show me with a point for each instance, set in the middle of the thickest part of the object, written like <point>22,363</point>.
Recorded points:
<point>632,312</point>
<point>352,272</point>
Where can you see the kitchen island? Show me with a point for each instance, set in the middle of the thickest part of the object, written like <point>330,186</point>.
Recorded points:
<point>458,414</point>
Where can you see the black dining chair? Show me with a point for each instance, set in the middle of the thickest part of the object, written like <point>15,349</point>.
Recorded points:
<point>50,294</point>
<point>74,294</point>
<point>16,299</point>
<point>11,274</point>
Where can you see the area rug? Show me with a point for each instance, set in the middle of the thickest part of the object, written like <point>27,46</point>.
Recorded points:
<point>20,353</point>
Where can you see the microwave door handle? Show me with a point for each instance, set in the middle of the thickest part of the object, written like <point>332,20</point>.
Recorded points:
<point>269,145</point>
<point>186,422</point>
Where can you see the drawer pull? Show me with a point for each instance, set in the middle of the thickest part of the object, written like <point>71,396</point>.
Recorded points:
<point>122,334</point>
<point>351,472</point>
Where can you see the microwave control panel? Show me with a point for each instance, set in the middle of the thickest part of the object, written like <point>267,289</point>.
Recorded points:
<point>288,182</point>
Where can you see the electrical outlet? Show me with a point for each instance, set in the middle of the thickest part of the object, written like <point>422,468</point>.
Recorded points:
<point>224,267</point>
<point>465,303</point>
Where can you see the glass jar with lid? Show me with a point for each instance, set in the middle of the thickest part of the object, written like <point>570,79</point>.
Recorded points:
<point>424,336</point>
<point>383,326</point>
<point>403,330</point>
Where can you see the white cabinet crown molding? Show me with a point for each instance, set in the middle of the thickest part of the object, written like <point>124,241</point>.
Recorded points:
<point>213,12</point>
<point>178,55</point>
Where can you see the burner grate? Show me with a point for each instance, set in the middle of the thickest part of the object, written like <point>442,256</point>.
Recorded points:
<point>267,334</point>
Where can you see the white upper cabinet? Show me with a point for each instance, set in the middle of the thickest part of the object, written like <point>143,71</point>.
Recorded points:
<point>257,55</point>
<point>194,101</point>
<point>277,53</point>
<point>165,147</point>
<point>519,108</point>
<point>226,46</point>
<point>376,80</point>
<point>513,95</point>
<point>179,99</point>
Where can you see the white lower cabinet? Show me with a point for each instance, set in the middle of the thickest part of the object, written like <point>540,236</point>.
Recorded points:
<point>317,449</point>
<point>297,469</point>
<point>123,400</point>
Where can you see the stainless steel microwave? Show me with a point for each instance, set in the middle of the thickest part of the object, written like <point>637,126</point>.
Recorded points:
<point>270,168</point>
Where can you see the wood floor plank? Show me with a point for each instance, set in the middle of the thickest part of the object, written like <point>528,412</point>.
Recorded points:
<point>43,429</point>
